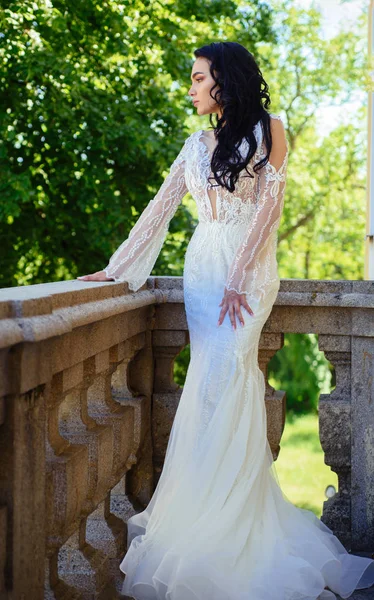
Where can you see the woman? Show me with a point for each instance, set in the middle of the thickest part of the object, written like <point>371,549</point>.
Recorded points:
<point>218,526</point>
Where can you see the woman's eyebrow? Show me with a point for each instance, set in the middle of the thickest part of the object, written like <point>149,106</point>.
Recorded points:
<point>197,73</point>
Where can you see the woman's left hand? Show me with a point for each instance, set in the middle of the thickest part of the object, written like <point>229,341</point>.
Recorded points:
<point>231,302</point>
<point>98,276</point>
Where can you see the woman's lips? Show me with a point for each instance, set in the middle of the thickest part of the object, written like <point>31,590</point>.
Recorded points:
<point>195,102</point>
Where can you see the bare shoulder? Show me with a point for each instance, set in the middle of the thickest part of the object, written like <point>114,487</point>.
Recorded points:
<point>278,131</point>
<point>279,141</point>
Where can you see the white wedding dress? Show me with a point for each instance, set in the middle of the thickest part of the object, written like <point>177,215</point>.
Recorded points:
<point>218,526</point>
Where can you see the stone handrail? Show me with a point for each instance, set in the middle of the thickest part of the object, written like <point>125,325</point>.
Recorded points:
<point>87,399</point>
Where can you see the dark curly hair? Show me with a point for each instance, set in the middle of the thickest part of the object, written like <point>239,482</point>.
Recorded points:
<point>243,95</point>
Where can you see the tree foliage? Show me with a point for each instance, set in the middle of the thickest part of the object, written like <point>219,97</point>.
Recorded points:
<point>323,224</point>
<point>94,105</point>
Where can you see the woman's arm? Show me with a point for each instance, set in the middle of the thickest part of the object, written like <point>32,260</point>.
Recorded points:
<point>270,186</point>
<point>134,259</point>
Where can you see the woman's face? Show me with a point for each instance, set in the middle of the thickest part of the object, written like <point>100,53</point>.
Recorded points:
<point>202,83</point>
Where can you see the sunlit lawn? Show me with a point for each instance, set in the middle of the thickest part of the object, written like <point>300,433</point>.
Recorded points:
<point>302,472</point>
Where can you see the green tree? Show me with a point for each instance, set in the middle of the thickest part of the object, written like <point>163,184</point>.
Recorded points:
<point>94,105</point>
<point>302,371</point>
<point>326,177</point>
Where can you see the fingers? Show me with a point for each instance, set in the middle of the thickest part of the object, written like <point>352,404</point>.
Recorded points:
<point>236,312</point>
<point>247,307</point>
<point>87,277</point>
<point>222,314</point>
<point>239,315</point>
<point>98,276</point>
<point>232,306</point>
<point>232,315</point>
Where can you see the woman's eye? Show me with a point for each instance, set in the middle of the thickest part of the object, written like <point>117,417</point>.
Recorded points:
<point>198,80</point>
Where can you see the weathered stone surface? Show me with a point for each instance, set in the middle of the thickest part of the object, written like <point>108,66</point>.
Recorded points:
<point>362,494</point>
<point>335,431</point>
<point>87,401</point>
<point>164,409</point>
<point>275,400</point>
<point>276,418</point>
<point>3,546</point>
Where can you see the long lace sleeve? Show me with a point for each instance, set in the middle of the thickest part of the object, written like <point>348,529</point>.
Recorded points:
<point>253,266</point>
<point>134,259</point>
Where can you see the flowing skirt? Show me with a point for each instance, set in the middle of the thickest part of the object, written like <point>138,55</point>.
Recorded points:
<point>218,526</point>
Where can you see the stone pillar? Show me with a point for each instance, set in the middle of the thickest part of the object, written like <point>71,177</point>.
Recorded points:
<point>22,495</point>
<point>3,545</point>
<point>275,400</point>
<point>334,413</point>
<point>166,347</point>
<point>362,492</point>
<point>132,385</point>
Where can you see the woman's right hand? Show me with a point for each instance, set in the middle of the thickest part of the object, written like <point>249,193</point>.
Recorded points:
<point>98,276</point>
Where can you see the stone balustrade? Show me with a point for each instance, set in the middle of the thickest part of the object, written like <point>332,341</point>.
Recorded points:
<point>87,400</point>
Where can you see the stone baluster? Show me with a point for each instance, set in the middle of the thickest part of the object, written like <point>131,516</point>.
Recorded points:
<point>77,469</point>
<point>3,545</point>
<point>131,386</point>
<point>362,447</point>
<point>170,335</point>
<point>22,490</point>
<point>334,411</point>
<point>275,400</point>
<point>166,347</point>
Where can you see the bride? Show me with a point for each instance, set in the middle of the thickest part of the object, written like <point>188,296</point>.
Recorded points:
<point>218,526</point>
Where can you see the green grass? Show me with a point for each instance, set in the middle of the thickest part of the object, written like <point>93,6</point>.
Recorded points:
<point>300,466</point>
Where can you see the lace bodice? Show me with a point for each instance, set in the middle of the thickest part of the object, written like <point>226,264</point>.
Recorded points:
<point>215,202</point>
<point>256,202</point>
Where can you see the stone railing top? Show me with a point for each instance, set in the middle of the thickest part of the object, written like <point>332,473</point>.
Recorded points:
<point>319,292</point>
<point>37,312</point>
<point>301,292</point>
